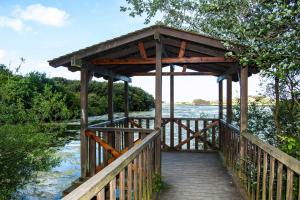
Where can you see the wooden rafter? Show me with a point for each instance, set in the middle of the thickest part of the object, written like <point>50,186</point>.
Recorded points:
<point>181,54</point>
<point>182,49</point>
<point>142,50</point>
<point>184,60</point>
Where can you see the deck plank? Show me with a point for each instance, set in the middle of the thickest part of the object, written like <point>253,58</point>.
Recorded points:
<point>193,176</point>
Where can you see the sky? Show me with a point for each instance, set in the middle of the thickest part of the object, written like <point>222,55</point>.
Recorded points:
<point>42,30</point>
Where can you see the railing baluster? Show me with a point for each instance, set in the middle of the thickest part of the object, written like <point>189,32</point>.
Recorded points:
<point>205,135</point>
<point>101,195</point>
<point>117,140</point>
<point>289,184</point>
<point>279,181</point>
<point>122,185</point>
<point>140,169</point>
<point>214,137</point>
<point>298,186</point>
<point>99,149</point>
<point>264,181</point>
<point>105,153</point>
<point>258,173</point>
<point>271,180</point>
<point>129,181</point>
<point>145,171</point>
<point>112,189</point>
<point>147,123</point>
<point>188,134</point>
<point>171,133</point>
<point>179,133</point>
<point>164,135</point>
<point>196,130</point>
<point>135,179</point>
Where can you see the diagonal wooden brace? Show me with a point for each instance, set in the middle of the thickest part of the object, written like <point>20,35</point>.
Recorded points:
<point>195,134</point>
<point>106,146</point>
<point>135,124</point>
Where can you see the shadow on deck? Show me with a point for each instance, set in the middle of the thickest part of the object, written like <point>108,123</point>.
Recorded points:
<point>193,176</point>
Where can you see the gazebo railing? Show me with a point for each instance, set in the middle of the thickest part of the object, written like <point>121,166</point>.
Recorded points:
<point>183,134</point>
<point>109,148</point>
<point>129,176</point>
<point>263,171</point>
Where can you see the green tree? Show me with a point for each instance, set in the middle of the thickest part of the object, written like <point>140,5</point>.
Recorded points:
<point>23,151</point>
<point>264,34</point>
<point>50,105</point>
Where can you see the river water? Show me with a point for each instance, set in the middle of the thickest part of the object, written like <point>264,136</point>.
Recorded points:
<point>50,185</point>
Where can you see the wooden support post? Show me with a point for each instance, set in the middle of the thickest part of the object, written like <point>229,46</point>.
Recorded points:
<point>229,100</point>
<point>111,138</point>
<point>244,99</point>
<point>158,87</point>
<point>244,113</point>
<point>158,102</point>
<point>172,108</point>
<point>221,135</point>
<point>221,100</point>
<point>126,99</point>
<point>126,112</point>
<point>84,78</point>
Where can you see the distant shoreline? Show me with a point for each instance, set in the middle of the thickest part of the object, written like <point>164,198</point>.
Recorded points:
<point>191,104</point>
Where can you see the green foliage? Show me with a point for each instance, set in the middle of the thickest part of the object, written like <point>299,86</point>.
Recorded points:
<point>30,107</point>
<point>290,145</point>
<point>265,34</point>
<point>50,105</point>
<point>268,31</point>
<point>158,184</point>
<point>261,123</point>
<point>36,98</point>
<point>24,150</point>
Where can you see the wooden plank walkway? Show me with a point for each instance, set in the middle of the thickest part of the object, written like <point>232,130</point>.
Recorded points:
<point>193,176</point>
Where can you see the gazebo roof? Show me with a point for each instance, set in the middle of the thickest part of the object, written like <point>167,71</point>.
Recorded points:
<point>134,53</point>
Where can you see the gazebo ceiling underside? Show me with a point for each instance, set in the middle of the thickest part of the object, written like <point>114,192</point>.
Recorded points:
<point>142,45</point>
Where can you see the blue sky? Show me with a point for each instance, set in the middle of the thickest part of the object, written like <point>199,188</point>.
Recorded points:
<point>42,30</point>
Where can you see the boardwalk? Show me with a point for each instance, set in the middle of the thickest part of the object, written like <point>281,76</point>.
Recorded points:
<point>193,176</point>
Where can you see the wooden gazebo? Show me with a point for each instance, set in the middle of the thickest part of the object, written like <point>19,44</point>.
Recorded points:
<point>144,53</point>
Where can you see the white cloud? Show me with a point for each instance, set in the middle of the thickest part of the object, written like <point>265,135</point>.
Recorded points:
<point>44,15</point>
<point>13,23</point>
<point>2,54</point>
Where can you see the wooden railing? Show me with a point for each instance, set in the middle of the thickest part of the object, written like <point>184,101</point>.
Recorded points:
<point>262,170</point>
<point>128,177</point>
<point>107,151</point>
<point>183,133</point>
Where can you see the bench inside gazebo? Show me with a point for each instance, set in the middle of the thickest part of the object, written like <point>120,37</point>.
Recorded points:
<point>199,158</point>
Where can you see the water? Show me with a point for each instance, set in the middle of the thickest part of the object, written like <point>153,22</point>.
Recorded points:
<point>51,184</point>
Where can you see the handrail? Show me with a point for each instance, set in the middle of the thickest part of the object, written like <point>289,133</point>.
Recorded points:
<point>106,123</point>
<point>177,118</point>
<point>96,183</point>
<point>284,158</point>
<point>262,170</point>
<point>279,155</point>
<point>231,126</point>
<point>111,129</point>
